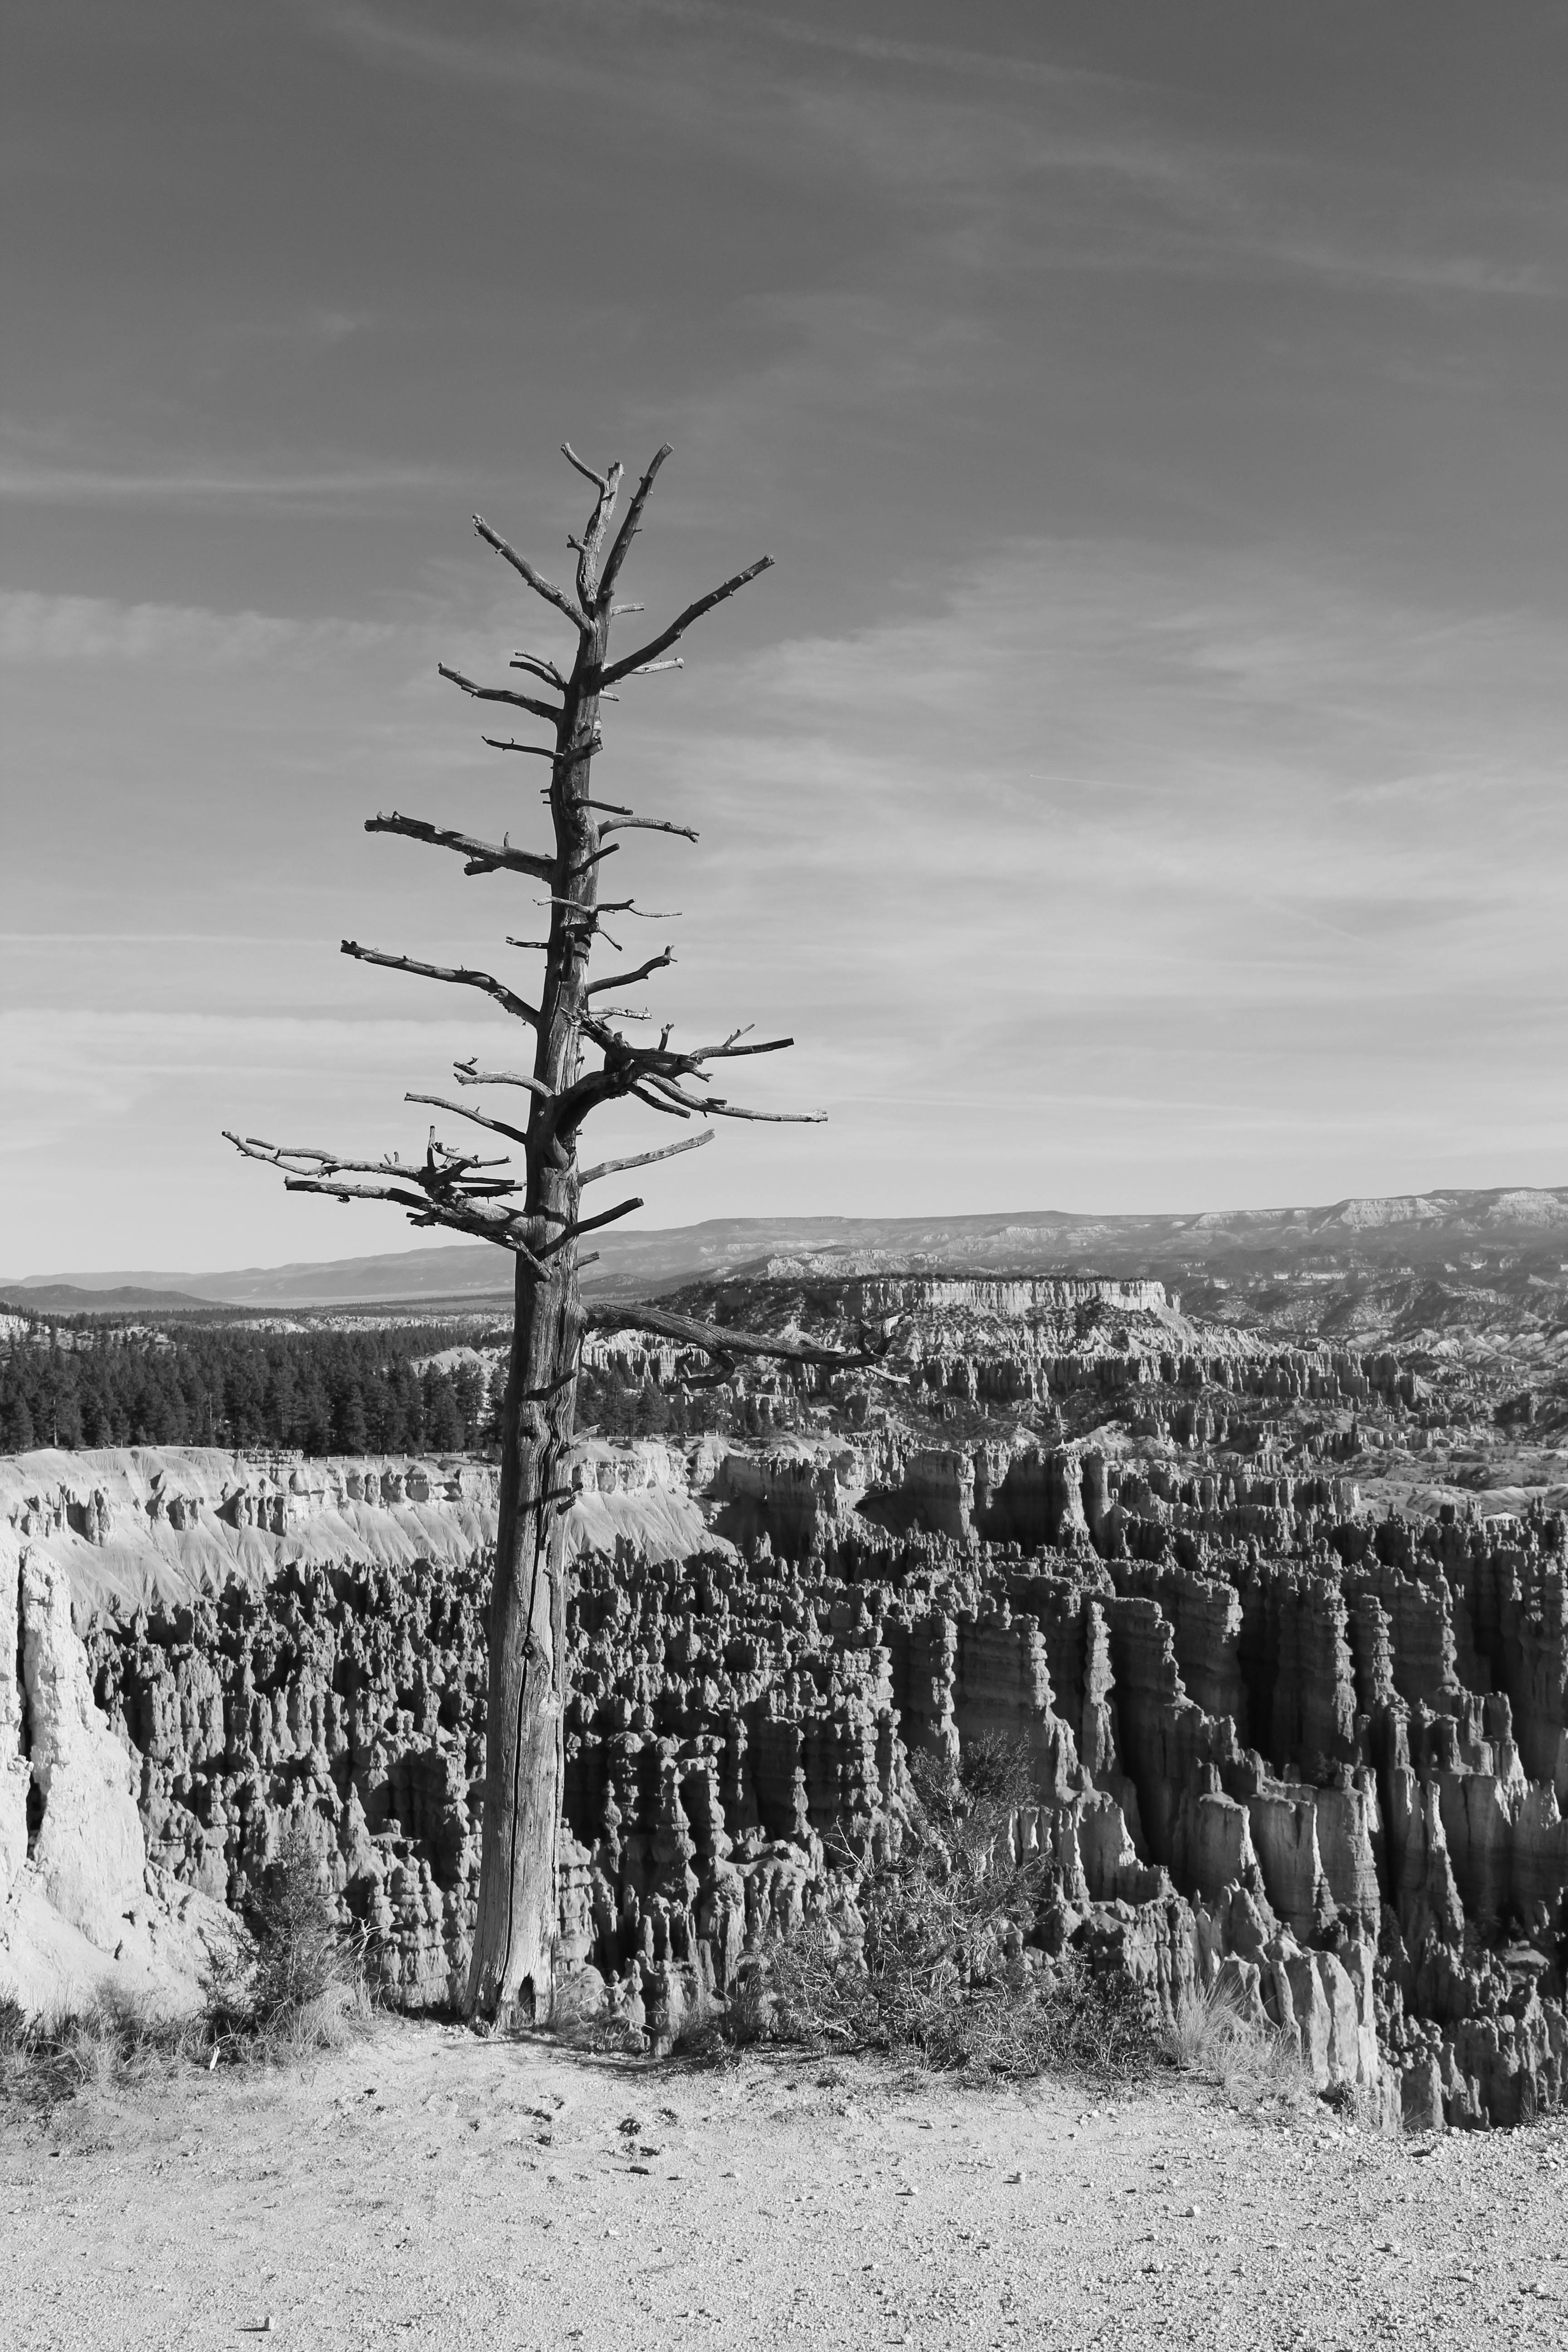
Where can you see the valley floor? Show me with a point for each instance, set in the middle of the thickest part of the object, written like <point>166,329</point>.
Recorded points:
<point>429,2189</point>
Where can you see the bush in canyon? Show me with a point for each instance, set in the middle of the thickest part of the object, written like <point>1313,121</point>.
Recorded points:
<point>293,1985</point>
<point>945,1970</point>
<point>301,1985</point>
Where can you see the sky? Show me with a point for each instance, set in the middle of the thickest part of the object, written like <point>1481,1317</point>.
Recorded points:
<point>1139,785</point>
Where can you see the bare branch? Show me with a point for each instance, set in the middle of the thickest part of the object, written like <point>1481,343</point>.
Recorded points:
<point>643,914</point>
<point>520,564</point>
<point>678,628</point>
<point>496,1126</point>
<point>588,1226</point>
<point>570,753</point>
<point>330,1184</point>
<point>498,694</point>
<point>625,979</point>
<point>484,857</point>
<point>592,859</point>
<point>629,528</point>
<point>653,1104</point>
<point>645,824</point>
<point>716,1108</point>
<point>481,1223</point>
<point>449,1182</point>
<point>449,1194</point>
<point>587,472</point>
<point>730,1052</point>
<point>719,1338</point>
<point>552,751</point>
<point>617,610</point>
<point>462,979</point>
<point>646,1159</point>
<point>540,666</point>
<point>283,1156</point>
<point>468,1076</point>
<point>650,669</point>
<point>590,547</point>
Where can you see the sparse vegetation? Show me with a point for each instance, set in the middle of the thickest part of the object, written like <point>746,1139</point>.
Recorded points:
<point>295,1986</point>
<point>301,1986</point>
<point>106,2046</point>
<point>947,1970</point>
<point>1211,2034</point>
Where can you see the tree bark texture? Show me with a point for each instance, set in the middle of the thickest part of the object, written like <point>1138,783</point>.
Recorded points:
<point>511,1975</point>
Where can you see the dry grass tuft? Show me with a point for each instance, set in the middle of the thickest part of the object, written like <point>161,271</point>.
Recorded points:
<point>1212,2034</point>
<point>110,2045</point>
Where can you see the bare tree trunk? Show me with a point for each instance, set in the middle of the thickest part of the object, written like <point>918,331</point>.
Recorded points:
<point>511,1973</point>
<point>511,1977</point>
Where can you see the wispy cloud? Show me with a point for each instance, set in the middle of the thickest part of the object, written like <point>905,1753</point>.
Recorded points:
<point>39,628</point>
<point>45,465</point>
<point>85,486</point>
<point>1007,158</point>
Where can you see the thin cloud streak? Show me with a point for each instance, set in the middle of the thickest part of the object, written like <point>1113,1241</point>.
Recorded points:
<point>44,629</point>
<point>25,481</point>
<point>1201,204</point>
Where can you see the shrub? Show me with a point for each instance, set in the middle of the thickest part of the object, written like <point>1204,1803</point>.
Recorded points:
<point>943,1970</point>
<point>301,1987</point>
<point>295,1985</point>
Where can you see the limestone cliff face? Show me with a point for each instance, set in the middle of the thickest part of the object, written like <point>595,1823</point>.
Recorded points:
<point>144,1525</point>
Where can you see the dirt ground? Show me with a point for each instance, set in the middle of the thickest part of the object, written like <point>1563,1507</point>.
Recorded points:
<point>429,2189</point>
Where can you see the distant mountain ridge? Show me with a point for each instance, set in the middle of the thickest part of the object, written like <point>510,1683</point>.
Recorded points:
<point>1421,1230</point>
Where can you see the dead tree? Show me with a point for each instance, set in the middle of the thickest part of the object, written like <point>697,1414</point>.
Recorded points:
<point>583,1057</point>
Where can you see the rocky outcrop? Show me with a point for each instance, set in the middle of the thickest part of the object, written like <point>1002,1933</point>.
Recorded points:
<point>82,1910</point>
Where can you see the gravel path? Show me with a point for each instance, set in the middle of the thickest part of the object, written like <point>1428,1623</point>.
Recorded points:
<point>428,2189</point>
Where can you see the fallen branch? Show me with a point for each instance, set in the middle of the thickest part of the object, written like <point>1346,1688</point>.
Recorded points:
<point>721,1339</point>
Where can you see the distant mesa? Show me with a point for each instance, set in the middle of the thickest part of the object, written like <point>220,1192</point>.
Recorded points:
<point>73,1298</point>
<point>1411,1229</point>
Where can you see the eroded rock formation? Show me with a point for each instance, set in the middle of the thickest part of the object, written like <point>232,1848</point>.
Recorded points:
<point>84,1909</point>
<point>1320,1760</point>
